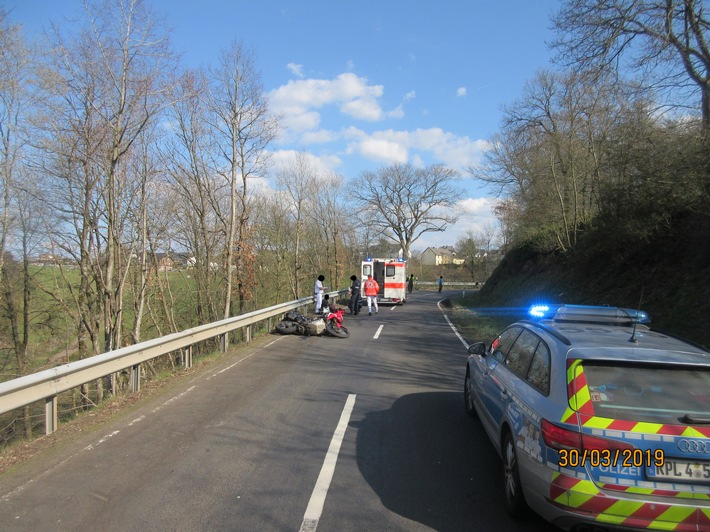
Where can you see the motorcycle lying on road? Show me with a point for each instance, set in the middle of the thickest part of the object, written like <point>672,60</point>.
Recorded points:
<point>331,323</point>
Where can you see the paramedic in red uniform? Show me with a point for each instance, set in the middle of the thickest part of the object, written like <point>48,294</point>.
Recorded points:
<point>371,289</point>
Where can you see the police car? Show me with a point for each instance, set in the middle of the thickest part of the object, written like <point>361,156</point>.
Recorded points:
<point>601,422</point>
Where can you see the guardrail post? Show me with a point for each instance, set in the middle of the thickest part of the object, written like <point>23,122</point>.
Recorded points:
<point>248,334</point>
<point>136,377</point>
<point>50,414</point>
<point>187,357</point>
<point>224,342</point>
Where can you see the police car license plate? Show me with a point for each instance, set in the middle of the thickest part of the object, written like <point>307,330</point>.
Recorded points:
<point>681,471</point>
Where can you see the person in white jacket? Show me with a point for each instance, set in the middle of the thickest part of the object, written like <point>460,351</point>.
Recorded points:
<point>318,291</point>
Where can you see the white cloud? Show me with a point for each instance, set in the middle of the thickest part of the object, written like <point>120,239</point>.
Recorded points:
<point>476,206</point>
<point>433,145</point>
<point>303,104</point>
<point>295,69</point>
<point>461,92</point>
<point>321,164</point>
<point>397,112</point>
<point>475,215</point>
<point>365,108</point>
<point>381,149</point>
<point>320,136</point>
<point>297,101</point>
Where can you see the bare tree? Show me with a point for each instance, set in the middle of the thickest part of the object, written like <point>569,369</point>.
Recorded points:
<point>274,245</point>
<point>667,37</point>
<point>326,215</point>
<point>467,249</point>
<point>187,156</point>
<point>299,181</point>
<point>243,130</point>
<point>403,202</point>
<point>103,87</point>
<point>133,55</point>
<point>548,156</point>
<point>15,81</point>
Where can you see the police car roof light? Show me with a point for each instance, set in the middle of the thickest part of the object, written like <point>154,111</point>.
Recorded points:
<point>589,313</point>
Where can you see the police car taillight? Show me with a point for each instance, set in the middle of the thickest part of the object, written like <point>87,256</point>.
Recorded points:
<point>557,437</point>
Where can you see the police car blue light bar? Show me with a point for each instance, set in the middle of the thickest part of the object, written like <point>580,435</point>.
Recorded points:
<point>539,311</point>
<point>589,313</point>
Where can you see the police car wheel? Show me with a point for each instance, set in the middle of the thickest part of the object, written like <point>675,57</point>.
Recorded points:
<point>514,500</point>
<point>467,397</point>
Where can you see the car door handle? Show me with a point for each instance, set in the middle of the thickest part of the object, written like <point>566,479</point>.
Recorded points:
<point>504,394</point>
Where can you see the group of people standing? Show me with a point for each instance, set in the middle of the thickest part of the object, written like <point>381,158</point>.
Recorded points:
<point>370,288</point>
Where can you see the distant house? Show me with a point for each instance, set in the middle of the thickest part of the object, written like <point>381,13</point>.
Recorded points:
<point>439,256</point>
<point>165,262</point>
<point>47,258</point>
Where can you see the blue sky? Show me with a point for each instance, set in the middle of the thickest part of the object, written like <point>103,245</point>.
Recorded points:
<point>363,85</point>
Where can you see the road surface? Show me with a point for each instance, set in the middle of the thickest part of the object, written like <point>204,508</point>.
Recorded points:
<point>290,433</point>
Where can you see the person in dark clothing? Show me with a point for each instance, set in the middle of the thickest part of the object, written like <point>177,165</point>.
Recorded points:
<point>354,303</point>
<point>410,285</point>
<point>441,282</point>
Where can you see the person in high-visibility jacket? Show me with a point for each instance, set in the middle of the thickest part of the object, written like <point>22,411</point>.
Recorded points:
<point>371,289</point>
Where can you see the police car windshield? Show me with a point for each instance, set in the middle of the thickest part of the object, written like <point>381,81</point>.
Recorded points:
<point>654,394</point>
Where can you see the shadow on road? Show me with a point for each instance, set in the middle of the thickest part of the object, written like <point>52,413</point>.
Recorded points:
<point>430,463</point>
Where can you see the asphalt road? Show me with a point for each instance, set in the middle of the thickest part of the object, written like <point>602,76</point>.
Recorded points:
<point>291,433</point>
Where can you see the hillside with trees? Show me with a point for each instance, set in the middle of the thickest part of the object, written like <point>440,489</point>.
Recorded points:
<point>606,178</point>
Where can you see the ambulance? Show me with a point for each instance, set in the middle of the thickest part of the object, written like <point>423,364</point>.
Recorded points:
<point>391,275</point>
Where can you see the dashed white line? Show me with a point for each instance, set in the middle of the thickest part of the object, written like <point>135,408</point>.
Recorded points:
<point>379,330</point>
<point>320,490</point>
<point>166,403</point>
<point>91,447</point>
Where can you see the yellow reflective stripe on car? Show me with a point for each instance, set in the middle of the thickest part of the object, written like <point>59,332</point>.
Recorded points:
<point>584,496</point>
<point>577,389</point>
<point>669,519</point>
<point>648,428</point>
<point>597,422</point>
<point>619,511</point>
<point>581,493</point>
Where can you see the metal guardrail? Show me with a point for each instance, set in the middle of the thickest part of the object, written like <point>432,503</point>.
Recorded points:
<point>47,384</point>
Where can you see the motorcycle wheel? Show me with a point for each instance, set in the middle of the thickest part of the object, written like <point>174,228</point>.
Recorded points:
<point>286,327</point>
<point>340,332</point>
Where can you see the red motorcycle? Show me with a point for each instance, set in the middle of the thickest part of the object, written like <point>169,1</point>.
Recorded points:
<point>334,324</point>
<point>296,323</point>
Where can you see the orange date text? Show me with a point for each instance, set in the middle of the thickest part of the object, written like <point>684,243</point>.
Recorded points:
<point>611,457</point>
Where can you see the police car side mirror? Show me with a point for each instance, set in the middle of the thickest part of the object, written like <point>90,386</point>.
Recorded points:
<point>477,348</point>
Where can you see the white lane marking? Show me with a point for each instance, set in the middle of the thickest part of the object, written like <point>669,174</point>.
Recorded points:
<point>136,421</point>
<point>243,359</point>
<point>320,490</point>
<point>235,364</point>
<point>91,447</point>
<point>453,328</point>
<point>166,403</point>
<point>379,330</point>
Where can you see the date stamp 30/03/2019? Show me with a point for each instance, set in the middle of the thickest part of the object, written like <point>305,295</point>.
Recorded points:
<point>611,457</point>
